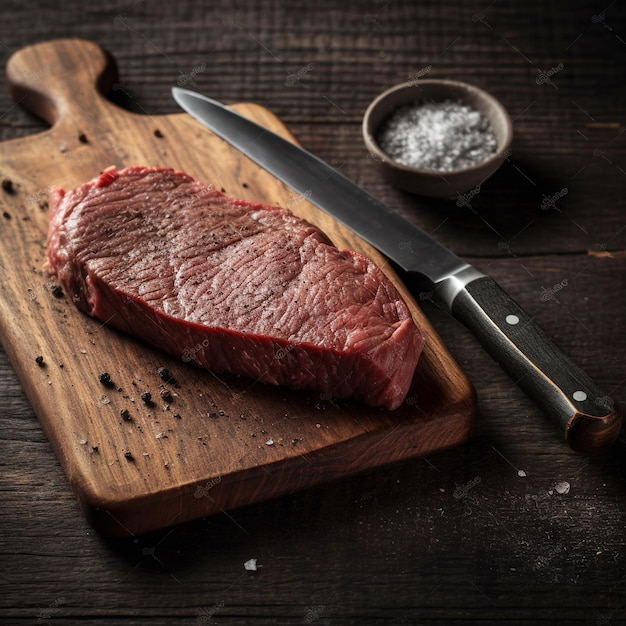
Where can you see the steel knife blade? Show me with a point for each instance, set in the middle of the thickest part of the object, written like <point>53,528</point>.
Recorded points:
<point>584,414</point>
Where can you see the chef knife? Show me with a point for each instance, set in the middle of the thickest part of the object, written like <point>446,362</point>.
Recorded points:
<point>586,416</point>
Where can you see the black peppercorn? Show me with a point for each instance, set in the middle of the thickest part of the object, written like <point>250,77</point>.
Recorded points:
<point>165,374</point>
<point>7,185</point>
<point>105,378</point>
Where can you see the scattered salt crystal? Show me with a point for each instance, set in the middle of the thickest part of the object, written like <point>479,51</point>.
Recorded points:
<point>521,473</point>
<point>269,442</point>
<point>442,136</point>
<point>250,565</point>
<point>82,442</point>
<point>160,436</point>
<point>562,487</point>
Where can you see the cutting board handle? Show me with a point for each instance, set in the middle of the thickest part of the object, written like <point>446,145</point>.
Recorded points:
<point>56,80</point>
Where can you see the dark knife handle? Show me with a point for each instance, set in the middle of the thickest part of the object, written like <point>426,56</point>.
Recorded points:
<point>585,415</point>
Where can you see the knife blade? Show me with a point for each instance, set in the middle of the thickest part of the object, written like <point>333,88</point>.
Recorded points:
<point>586,417</point>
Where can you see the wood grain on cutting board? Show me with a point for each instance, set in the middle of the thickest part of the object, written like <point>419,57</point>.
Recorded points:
<point>208,442</point>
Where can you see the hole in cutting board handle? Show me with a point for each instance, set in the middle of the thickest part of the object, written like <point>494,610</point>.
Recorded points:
<point>61,80</point>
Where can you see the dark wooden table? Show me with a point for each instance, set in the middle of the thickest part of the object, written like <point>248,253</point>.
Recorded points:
<point>512,526</point>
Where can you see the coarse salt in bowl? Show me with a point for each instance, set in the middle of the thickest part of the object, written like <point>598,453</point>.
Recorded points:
<point>439,138</point>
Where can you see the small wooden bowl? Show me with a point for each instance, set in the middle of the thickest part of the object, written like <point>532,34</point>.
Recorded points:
<point>428,182</point>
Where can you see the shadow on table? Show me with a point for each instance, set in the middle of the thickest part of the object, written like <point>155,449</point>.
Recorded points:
<point>522,191</point>
<point>337,514</point>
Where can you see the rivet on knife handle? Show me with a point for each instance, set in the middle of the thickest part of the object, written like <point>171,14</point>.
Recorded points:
<point>580,410</point>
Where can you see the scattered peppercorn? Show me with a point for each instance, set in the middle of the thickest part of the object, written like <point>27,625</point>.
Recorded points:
<point>95,448</point>
<point>83,138</point>
<point>125,415</point>
<point>146,397</point>
<point>6,215</point>
<point>7,185</point>
<point>129,456</point>
<point>105,378</point>
<point>165,374</point>
<point>57,291</point>
<point>158,133</point>
<point>39,360</point>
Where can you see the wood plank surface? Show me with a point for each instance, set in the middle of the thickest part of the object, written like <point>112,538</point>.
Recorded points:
<point>240,440</point>
<point>421,541</point>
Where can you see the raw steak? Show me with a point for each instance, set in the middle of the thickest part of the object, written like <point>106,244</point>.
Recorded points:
<point>231,286</point>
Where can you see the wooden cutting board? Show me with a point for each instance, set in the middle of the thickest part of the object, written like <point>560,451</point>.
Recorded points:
<point>217,442</point>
